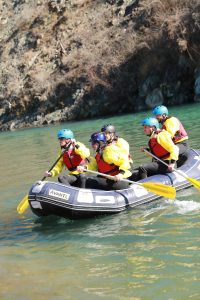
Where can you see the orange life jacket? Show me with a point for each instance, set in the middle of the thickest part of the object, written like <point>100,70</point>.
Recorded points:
<point>104,167</point>
<point>156,148</point>
<point>181,133</point>
<point>72,160</point>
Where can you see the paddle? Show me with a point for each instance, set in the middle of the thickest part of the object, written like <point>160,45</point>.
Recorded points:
<point>193,181</point>
<point>23,205</point>
<point>153,187</point>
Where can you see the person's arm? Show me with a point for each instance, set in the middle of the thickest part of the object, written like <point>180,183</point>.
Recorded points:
<point>57,169</point>
<point>123,144</point>
<point>164,139</point>
<point>172,125</point>
<point>81,150</point>
<point>125,148</point>
<point>113,155</point>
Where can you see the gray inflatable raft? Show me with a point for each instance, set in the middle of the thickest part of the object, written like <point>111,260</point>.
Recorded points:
<point>52,198</point>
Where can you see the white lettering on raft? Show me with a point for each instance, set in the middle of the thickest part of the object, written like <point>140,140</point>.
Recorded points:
<point>58,194</point>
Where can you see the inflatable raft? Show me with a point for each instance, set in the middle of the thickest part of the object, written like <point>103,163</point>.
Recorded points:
<point>52,198</point>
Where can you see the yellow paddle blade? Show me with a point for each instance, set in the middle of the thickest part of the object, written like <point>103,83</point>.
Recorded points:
<point>195,182</point>
<point>160,189</point>
<point>23,205</point>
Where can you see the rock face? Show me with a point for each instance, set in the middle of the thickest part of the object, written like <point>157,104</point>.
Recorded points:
<point>66,60</point>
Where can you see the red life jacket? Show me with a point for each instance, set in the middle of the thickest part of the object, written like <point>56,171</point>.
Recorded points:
<point>72,160</point>
<point>156,148</point>
<point>104,167</point>
<point>181,133</point>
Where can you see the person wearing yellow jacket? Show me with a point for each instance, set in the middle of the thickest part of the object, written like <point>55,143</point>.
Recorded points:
<point>162,146</point>
<point>176,130</point>
<point>110,160</point>
<point>112,138</point>
<point>75,154</point>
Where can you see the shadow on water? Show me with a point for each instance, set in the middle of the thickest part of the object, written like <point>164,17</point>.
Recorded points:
<point>60,225</point>
<point>107,226</point>
<point>138,219</point>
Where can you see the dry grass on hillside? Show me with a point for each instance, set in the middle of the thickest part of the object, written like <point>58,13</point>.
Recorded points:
<point>84,44</point>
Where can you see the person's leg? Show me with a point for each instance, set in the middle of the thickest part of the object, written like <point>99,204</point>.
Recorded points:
<point>183,155</point>
<point>81,180</point>
<point>96,183</point>
<point>105,184</point>
<point>151,169</point>
<point>183,147</point>
<point>117,185</point>
<point>67,179</point>
<point>135,175</point>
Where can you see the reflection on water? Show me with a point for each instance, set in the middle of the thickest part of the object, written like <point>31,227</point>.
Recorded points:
<point>108,256</point>
<point>151,252</point>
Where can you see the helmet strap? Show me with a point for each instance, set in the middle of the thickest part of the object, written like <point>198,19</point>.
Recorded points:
<point>112,138</point>
<point>101,147</point>
<point>165,117</point>
<point>109,141</point>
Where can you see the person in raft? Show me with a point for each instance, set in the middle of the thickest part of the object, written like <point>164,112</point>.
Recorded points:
<point>109,160</point>
<point>75,154</point>
<point>112,138</point>
<point>176,130</point>
<point>162,146</point>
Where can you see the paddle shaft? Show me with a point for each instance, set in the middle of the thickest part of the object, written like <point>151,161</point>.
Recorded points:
<point>164,163</point>
<point>153,187</point>
<point>57,161</point>
<point>111,177</point>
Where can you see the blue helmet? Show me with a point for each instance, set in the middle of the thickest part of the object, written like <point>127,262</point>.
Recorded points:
<point>65,133</point>
<point>160,110</point>
<point>150,122</point>
<point>98,137</point>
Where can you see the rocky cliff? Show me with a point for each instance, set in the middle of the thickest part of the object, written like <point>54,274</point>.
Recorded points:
<point>76,59</point>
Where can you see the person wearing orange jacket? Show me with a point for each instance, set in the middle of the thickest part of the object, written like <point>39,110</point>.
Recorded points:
<point>176,130</point>
<point>162,146</point>
<point>109,160</point>
<point>75,154</point>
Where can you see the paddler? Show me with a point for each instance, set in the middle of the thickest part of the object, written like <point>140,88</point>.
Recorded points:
<point>110,160</point>
<point>162,146</point>
<point>113,138</point>
<point>76,155</point>
<point>176,130</point>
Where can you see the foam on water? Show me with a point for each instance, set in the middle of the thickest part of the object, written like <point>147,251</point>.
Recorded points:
<point>184,207</point>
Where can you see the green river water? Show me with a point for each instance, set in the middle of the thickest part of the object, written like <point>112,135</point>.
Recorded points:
<point>152,252</point>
